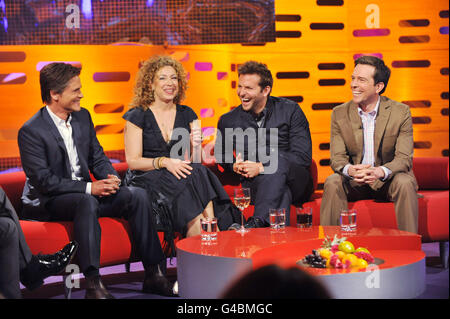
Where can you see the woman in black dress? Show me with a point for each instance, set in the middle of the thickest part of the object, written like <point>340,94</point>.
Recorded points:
<point>181,191</point>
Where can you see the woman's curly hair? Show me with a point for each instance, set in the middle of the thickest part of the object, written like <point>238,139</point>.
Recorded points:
<point>143,93</point>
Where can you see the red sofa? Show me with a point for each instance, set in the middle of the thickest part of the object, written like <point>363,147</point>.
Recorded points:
<point>432,175</point>
<point>48,237</point>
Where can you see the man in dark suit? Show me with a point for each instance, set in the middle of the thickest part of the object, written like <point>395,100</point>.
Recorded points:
<point>266,140</point>
<point>371,149</point>
<point>58,148</point>
<point>17,263</point>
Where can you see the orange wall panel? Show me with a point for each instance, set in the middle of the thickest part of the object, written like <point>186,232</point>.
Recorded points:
<point>411,36</point>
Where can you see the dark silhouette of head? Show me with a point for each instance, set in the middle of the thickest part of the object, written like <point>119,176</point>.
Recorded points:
<point>274,282</point>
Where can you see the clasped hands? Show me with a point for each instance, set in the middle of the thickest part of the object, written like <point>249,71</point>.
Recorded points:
<point>248,169</point>
<point>105,187</point>
<point>365,173</point>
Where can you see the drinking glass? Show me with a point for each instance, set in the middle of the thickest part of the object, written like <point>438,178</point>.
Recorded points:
<point>242,200</point>
<point>304,217</point>
<point>348,220</point>
<point>277,217</point>
<point>208,228</point>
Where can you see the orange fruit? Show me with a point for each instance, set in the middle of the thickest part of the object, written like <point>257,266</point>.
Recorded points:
<point>340,254</point>
<point>325,253</point>
<point>352,258</point>
<point>346,247</point>
<point>361,263</point>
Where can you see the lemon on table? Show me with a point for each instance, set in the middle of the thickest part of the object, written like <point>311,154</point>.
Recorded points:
<point>362,249</point>
<point>325,253</point>
<point>361,263</point>
<point>346,247</point>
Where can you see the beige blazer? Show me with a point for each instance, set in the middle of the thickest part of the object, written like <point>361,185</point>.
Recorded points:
<point>393,138</point>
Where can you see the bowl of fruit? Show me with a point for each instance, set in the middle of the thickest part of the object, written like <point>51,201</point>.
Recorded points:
<point>339,253</point>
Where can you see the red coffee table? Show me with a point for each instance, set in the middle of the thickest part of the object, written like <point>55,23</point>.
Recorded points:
<point>206,269</point>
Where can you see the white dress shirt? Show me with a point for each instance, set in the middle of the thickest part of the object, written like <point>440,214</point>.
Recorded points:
<point>368,126</point>
<point>65,129</point>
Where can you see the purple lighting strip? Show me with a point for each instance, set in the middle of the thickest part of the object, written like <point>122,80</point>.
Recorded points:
<point>207,112</point>
<point>12,76</point>
<point>41,64</point>
<point>222,75</point>
<point>358,55</point>
<point>371,32</point>
<point>208,131</point>
<point>203,66</point>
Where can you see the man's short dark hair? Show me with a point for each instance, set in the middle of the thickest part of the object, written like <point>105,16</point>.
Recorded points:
<point>252,67</point>
<point>55,77</point>
<point>382,72</point>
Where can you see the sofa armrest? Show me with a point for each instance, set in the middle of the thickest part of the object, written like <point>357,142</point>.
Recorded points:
<point>121,168</point>
<point>431,172</point>
<point>12,184</point>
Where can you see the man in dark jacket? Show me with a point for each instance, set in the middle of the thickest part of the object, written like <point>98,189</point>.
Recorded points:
<point>266,140</point>
<point>59,149</point>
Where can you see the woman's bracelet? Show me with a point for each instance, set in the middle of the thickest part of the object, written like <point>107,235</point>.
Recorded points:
<point>156,162</point>
<point>160,161</point>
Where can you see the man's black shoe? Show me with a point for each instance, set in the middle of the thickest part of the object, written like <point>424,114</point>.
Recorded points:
<point>43,266</point>
<point>156,283</point>
<point>255,222</point>
<point>95,289</point>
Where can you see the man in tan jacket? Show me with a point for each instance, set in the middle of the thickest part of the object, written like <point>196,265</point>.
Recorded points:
<point>371,149</point>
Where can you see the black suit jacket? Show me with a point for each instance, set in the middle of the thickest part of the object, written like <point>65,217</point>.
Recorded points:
<point>46,163</point>
<point>294,138</point>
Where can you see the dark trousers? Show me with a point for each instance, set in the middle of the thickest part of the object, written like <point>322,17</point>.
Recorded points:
<point>15,254</point>
<point>131,203</point>
<point>291,183</point>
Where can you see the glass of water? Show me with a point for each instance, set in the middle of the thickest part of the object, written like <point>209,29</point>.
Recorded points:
<point>208,228</point>
<point>277,218</point>
<point>348,219</point>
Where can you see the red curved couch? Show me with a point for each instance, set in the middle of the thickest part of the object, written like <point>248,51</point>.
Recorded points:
<point>432,175</point>
<point>48,237</point>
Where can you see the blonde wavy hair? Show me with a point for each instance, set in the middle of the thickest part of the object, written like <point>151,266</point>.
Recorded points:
<point>143,93</point>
